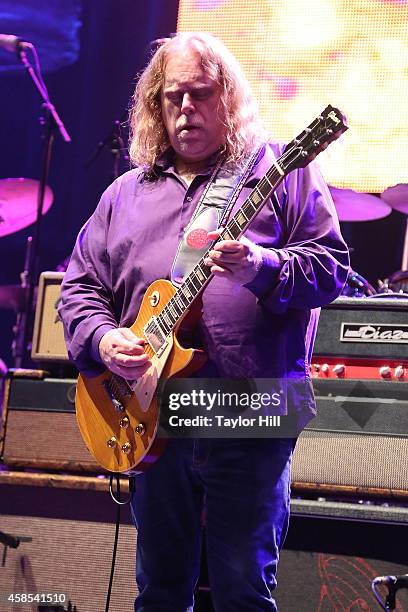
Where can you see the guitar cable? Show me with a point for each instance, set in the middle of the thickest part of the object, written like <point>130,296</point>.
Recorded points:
<point>115,495</point>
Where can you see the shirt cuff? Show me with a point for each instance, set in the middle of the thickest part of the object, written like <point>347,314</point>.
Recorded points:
<point>96,338</point>
<point>267,274</point>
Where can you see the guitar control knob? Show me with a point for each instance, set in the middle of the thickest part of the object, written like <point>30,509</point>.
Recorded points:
<point>124,422</point>
<point>140,429</point>
<point>339,369</point>
<point>325,368</point>
<point>385,371</point>
<point>112,442</point>
<point>126,448</point>
<point>399,372</point>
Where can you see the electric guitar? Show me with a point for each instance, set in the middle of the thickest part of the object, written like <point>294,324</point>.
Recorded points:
<point>118,419</point>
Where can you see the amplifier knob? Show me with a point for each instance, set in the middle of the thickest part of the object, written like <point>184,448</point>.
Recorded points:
<point>339,369</point>
<point>126,448</point>
<point>316,367</point>
<point>385,371</point>
<point>325,368</point>
<point>399,372</point>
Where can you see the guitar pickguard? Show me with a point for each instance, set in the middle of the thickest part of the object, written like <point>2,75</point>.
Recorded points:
<point>145,387</point>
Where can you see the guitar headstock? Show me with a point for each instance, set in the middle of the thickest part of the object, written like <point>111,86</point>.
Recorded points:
<point>326,128</point>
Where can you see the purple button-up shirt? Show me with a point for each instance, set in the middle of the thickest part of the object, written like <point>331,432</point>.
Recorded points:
<point>264,329</point>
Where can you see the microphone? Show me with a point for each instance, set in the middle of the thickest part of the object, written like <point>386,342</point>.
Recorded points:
<point>395,582</point>
<point>12,43</point>
<point>9,540</point>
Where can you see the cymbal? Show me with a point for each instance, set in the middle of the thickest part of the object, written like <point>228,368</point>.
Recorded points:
<point>354,206</point>
<point>397,197</point>
<point>18,203</point>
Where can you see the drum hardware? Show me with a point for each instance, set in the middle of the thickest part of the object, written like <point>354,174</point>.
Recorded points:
<point>357,286</point>
<point>24,193</point>
<point>354,206</point>
<point>396,285</point>
<point>397,197</point>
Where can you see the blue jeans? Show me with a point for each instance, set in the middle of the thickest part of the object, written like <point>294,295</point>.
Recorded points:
<point>243,486</point>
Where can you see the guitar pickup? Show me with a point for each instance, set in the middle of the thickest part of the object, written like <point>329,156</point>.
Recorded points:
<point>117,404</point>
<point>155,336</point>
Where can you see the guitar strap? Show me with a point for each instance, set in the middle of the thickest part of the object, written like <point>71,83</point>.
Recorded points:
<point>211,213</point>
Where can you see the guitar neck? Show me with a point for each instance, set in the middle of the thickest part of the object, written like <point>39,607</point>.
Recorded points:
<point>201,274</point>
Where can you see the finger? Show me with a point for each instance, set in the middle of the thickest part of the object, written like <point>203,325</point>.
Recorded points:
<point>130,336</point>
<point>229,246</point>
<point>131,361</point>
<point>220,257</point>
<point>129,349</point>
<point>218,269</point>
<point>126,341</point>
<point>214,235</point>
<point>221,272</point>
<point>220,262</point>
<point>222,243</point>
<point>130,373</point>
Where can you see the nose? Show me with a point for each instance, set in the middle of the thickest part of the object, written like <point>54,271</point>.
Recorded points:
<point>187,105</point>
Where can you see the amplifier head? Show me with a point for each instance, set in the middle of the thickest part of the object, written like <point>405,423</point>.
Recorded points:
<point>368,327</point>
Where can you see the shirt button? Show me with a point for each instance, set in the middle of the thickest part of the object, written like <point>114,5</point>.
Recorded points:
<point>189,198</point>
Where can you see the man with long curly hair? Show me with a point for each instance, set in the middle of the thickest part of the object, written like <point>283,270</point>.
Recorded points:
<point>193,112</point>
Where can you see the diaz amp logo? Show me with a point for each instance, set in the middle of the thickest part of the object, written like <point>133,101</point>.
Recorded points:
<point>364,332</point>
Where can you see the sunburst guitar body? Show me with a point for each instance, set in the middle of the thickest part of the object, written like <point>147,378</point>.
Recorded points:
<point>118,419</point>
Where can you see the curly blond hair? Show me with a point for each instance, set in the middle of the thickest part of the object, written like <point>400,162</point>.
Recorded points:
<point>243,129</point>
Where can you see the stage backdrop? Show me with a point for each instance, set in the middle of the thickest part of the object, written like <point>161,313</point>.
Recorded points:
<point>300,56</point>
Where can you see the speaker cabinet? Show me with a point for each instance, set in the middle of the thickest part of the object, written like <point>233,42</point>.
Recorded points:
<point>39,427</point>
<point>67,529</point>
<point>332,553</point>
<point>358,442</point>
<point>48,337</point>
<point>328,563</point>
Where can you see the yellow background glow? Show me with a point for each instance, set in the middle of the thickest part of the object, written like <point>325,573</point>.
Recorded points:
<point>301,55</point>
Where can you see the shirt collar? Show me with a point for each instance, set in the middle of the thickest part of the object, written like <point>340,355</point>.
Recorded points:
<point>165,163</point>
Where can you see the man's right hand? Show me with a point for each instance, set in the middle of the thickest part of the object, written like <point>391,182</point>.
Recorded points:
<point>122,352</point>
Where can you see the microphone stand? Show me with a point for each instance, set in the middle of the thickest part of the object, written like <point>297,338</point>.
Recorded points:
<point>114,142</point>
<point>50,122</point>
